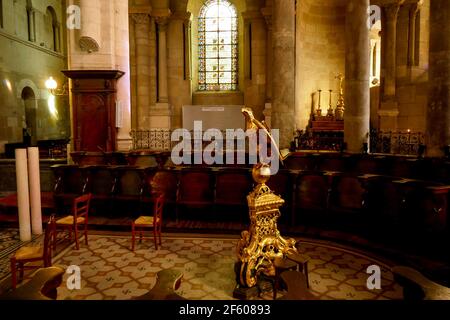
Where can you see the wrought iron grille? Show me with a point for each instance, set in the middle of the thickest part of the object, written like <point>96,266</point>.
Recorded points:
<point>156,140</point>
<point>400,143</point>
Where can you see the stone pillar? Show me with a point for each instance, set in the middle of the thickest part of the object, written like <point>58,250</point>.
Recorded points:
<point>142,40</point>
<point>178,64</point>
<point>390,43</point>
<point>163,96</point>
<point>413,11</point>
<point>187,26</point>
<point>255,61</point>
<point>389,112</point>
<point>91,27</point>
<point>438,112</point>
<point>283,94</point>
<point>357,70</point>
<point>122,51</point>
<point>267,13</point>
<point>57,35</point>
<point>31,16</point>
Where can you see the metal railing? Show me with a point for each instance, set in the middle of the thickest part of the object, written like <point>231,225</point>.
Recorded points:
<point>155,140</point>
<point>397,143</point>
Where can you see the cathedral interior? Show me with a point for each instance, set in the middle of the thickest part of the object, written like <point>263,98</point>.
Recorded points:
<point>224,150</point>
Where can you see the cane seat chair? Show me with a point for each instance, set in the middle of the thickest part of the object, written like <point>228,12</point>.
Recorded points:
<point>27,257</point>
<point>149,222</point>
<point>80,214</point>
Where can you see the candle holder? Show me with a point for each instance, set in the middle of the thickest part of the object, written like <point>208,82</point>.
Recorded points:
<point>340,109</point>
<point>319,108</point>
<point>330,112</point>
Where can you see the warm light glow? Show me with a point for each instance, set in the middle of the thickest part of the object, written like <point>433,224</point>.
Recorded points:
<point>52,106</point>
<point>8,84</point>
<point>51,84</point>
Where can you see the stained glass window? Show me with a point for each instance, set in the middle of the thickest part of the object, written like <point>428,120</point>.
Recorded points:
<point>218,46</point>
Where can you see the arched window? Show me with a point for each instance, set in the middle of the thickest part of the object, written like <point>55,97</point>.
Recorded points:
<point>52,29</point>
<point>218,46</point>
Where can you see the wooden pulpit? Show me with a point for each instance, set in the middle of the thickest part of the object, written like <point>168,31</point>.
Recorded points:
<point>94,109</point>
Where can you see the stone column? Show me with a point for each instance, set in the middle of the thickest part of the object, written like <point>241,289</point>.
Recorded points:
<point>438,112</point>
<point>413,12</point>
<point>91,25</point>
<point>357,70</point>
<point>187,26</point>
<point>57,35</point>
<point>122,51</point>
<point>32,24</point>
<point>390,43</point>
<point>142,40</point>
<point>388,111</point>
<point>267,13</point>
<point>283,94</point>
<point>163,96</point>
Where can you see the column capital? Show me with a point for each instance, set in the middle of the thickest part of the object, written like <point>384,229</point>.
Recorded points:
<point>181,15</point>
<point>140,18</point>
<point>162,22</point>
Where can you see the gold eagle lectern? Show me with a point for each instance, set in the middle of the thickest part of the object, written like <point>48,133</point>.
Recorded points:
<point>263,243</point>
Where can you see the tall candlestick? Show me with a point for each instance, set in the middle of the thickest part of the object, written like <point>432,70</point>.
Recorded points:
<point>319,109</point>
<point>330,108</point>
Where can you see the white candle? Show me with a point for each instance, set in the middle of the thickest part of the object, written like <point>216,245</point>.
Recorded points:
<point>35,190</point>
<point>23,198</point>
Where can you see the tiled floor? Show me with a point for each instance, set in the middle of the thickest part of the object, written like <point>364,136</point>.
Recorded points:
<point>110,270</point>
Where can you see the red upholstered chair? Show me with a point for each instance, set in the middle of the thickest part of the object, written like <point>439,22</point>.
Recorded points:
<point>80,213</point>
<point>149,222</point>
<point>26,257</point>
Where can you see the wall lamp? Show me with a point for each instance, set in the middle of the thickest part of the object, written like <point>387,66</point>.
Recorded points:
<point>52,86</point>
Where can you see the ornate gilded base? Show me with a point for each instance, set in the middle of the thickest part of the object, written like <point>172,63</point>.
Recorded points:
<point>263,243</point>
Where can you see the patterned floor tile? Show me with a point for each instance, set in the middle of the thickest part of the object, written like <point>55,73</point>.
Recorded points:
<point>111,271</point>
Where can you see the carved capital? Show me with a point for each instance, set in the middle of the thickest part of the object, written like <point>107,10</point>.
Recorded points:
<point>140,18</point>
<point>162,22</point>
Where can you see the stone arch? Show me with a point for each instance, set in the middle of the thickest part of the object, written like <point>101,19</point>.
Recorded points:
<point>28,83</point>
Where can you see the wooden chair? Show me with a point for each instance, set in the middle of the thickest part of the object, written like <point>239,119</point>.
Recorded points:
<point>32,254</point>
<point>80,215</point>
<point>145,222</point>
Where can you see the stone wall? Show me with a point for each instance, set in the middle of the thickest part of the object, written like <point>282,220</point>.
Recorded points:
<point>320,56</point>
<point>27,59</point>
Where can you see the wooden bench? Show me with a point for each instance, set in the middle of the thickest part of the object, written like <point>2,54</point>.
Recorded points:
<point>417,287</point>
<point>43,286</point>
<point>167,282</point>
